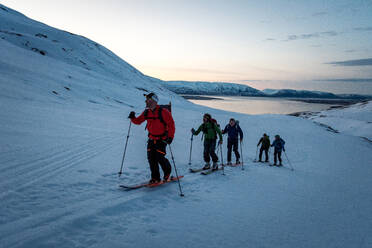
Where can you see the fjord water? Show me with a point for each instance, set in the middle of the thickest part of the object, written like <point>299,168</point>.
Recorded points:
<point>260,105</point>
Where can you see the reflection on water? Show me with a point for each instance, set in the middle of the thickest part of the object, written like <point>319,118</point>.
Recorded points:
<point>260,105</point>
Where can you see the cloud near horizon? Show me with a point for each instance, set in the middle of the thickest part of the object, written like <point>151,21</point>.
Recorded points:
<point>320,13</point>
<point>363,28</point>
<point>349,80</point>
<point>311,35</point>
<point>355,62</point>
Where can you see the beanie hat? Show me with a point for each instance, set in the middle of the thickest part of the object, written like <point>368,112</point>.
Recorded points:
<point>152,96</point>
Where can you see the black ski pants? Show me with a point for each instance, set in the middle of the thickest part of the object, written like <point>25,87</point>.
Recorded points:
<point>209,150</point>
<point>277,154</point>
<point>232,144</point>
<point>156,150</point>
<point>266,154</point>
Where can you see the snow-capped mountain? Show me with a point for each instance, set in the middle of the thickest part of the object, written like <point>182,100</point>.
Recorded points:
<point>209,88</point>
<point>311,94</point>
<point>298,93</point>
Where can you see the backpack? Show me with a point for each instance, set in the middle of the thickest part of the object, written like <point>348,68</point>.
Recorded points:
<point>266,142</point>
<point>214,121</point>
<point>160,115</point>
<point>236,125</point>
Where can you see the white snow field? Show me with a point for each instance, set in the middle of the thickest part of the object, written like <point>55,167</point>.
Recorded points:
<point>354,120</point>
<point>60,153</point>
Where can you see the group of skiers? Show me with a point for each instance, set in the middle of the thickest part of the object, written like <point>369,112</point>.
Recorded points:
<point>210,130</point>
<point>161,129</point>
<point>278,145</point>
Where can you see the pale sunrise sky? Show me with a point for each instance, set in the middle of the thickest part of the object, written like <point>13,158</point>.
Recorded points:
<point>233,41</point>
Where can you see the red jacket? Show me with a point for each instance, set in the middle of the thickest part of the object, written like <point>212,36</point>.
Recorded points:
<point>157,129</point>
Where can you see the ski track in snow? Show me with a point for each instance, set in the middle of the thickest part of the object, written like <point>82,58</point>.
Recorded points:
<point>50,163</point>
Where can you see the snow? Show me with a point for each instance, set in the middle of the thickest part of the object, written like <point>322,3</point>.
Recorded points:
<point>60,155</point>
<point>355,120</point>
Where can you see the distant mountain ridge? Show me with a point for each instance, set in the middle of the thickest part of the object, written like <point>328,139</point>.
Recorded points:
<point>211,88</point>
<point>232,89</point>
<point>299,93</point>
<point>311,94</point>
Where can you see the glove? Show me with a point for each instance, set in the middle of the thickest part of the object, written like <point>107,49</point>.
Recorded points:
<point>169,140</point>
<point>132,115</point>
<point>283,149</point>
<point>192,130</point>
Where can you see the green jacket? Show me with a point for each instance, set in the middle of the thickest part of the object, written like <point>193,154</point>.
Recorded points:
<point>210,130</point>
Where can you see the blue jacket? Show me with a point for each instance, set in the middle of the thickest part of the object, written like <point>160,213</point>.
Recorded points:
<point>278,145</point>
<point>233,132</point>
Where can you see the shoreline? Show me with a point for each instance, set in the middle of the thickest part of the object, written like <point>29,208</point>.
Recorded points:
<point>343,102</point>
<point>198,97</point>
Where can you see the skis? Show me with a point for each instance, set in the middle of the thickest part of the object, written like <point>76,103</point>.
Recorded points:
<point>149,185</point>
<point>197,170</point>
<point>203,170</point>
<point>280,166</point>
<point>276,165</point>
<point>262,162</point>
<point>207,172</point>
<point>234,164</point>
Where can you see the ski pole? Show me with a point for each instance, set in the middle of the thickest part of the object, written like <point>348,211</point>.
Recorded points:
<point>175,169</point>
<point>241,152</point>
<point>270,152</point>
<point>125,149</point>
<point>292,169</point>
<point>255,160</point>
<point>192,137</point>
<point>223,166</point>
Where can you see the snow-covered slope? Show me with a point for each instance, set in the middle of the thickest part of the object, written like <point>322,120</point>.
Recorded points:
<point>60,153</point>
<point>354,120</point>
<point>51,56</point>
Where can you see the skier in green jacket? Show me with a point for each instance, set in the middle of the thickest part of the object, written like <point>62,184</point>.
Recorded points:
<point>210,130</point>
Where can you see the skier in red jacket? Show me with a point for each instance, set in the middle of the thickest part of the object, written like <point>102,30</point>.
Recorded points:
<point>160,125</point>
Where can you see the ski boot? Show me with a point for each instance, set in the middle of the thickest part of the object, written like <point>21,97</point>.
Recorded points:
<point>166,178</point>
<point>215,166</point>
<point>207,166</point>
<point>154,181</point>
